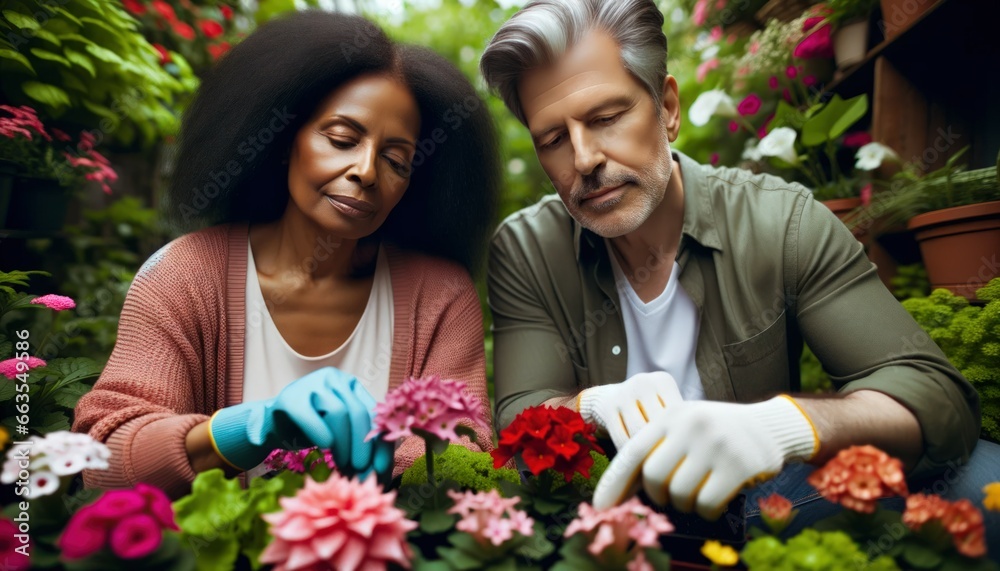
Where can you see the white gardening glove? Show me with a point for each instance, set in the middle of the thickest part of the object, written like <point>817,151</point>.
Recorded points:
<point>624,408</point>
<point>703,453</point>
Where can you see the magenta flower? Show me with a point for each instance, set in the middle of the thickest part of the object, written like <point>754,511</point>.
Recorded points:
<point>8,368</point>
<point>857,139</point>
<point>817,44</point>
<point>56,302</point>
<point>772,82</point>
<point>734,126</point>
<point>341,524</point>
<point>14,560</point>
<point>749,106</point>
<point>714,159</point>
<point>705,67</point>
<point>431,404</point>
<point>618,527</point>
<point>131,522</point>
<point>294,460</point>
<point>22,121</point>
<point>791,72</point>
<point>136,536</point>
<point>483,517</point>
<point>810,80</point>
<point>866,194</point>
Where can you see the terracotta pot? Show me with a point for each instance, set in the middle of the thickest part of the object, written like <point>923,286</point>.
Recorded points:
<point>843,207</point>
<point>850,43</point>
<point>897,15</point>
<point>960,246</point>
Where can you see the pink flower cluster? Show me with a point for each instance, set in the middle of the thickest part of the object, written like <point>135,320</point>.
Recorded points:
<point>339,524</point>
<point>130,521</point>
<point>483,516</point>
<point>294,460</point>
<point>818,41</point>
<point>13,560</point>
<point>23,121</point>
<point>429,404</point>
<point>8,368</point>
<point>101,172</point>
<point>618,527</point>
<point>56,302</point>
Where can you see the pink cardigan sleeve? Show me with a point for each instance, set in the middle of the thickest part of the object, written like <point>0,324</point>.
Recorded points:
<point>154,388</point>
<point>455,351</point>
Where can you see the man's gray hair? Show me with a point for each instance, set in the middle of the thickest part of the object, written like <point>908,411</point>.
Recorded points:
<point>545,29</point>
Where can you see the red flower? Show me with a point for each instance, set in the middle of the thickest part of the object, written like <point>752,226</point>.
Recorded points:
<point>134,6</point>
<point>217,50</point>
<point>210,28</point>
<point>165,10</point>
<point>857,139</point>
<point>164,54</point>
<point>750,105</point>
<point>734,126</point>
<point>818,44</point>
<point>548,438</point>
<point>960,519</point>
<point>183,30</point>
<point>227,12</point>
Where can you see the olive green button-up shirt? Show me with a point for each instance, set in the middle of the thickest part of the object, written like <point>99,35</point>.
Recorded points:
<point>767,266</point>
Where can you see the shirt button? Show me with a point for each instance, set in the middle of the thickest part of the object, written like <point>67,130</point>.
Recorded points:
<point>616,350</point>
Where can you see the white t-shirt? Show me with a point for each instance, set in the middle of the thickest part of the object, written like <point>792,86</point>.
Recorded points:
<point>269,363</point>
<point>662,335</point>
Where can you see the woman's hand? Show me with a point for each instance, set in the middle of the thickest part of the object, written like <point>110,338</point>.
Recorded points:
<point>326,408</point>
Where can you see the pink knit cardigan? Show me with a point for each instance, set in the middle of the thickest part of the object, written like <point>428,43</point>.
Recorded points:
<point>179,353</point>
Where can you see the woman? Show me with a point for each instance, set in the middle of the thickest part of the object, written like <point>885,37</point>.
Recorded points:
<point>348,184</point>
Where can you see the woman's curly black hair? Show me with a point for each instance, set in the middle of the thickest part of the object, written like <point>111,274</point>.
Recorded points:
<point>244,117</point>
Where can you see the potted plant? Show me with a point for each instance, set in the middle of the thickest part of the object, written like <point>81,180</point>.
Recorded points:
<point>955,216</point>
<point>43,167</point>
<point>849,19</point>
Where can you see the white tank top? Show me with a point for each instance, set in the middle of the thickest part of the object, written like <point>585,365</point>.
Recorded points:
<point>269,363</point>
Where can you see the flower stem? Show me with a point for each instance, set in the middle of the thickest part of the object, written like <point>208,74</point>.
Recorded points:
<point>429,458</point>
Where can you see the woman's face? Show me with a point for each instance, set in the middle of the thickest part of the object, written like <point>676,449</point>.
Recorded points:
<point>350,163</point>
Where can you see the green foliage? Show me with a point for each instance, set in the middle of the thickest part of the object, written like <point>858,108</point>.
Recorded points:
<point>811,550</point>
<point>910,281</point>
<point>220,521</point>
<point>84,63</point>
<point>814,379</point>
<point>970,337</point>
<point>470,470</point>
<point>846,11</point>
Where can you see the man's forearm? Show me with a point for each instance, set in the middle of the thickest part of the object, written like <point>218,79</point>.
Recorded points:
<point>864,417</point>
<point>568,402</point>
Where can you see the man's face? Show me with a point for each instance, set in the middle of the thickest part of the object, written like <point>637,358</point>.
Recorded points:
<point>598,135</point>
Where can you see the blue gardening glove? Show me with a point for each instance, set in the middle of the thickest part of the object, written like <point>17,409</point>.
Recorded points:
<point>327,408</point>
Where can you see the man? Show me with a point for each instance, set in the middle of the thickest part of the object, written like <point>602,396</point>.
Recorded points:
<point>668,301</point>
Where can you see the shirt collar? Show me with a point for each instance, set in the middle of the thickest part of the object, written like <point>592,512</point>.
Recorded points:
<point>699,217</point>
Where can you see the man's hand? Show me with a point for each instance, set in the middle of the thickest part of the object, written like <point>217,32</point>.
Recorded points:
<point>623,409</point>
<point>702,454</point>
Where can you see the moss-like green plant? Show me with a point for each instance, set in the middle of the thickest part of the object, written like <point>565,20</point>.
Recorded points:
<point>811,550</point>
<point>970,337</point>
<point>470,470</point>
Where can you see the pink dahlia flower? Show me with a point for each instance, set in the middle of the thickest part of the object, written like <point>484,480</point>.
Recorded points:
<point>8,368</point>
<point>616,528</point>
<point>342,524</point>
<point>483,516</point>
<point>430,404</point>
<point>56,302</point>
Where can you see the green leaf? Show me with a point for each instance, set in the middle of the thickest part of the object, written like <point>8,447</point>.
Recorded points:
<point>546,507</point>
<point>104,54</point>
<point>100,110</point>
<point>463,430</point>
<point>65,14</point>
<point>45,93</point>
<point>459,560</point>
<point>73,82</point>
<point>80,60</point>
<point>436,521</point>
<point>660,560</point>
<point>47,55</point>
<point>69,395</point>
<point>47,36</point>
<point>921,556</point>
<point>537,546</point>
<point>53,421</point>
<point>14,55</point>
<point>74,369</point>
<point>835,118</point>
<point>78,38</point>
<point>213,508</point>
<point>20,20</point>
<point>214,554</point>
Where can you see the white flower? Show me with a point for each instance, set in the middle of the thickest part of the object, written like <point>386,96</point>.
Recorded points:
<point>516,166</point>
<point>61,453</point>
<point>709,52</point>
<point>780,143</point>
<point>42,483</point>
<point>871,156</point>
<point>66,464</point>
<point>709,103</point>
<point>750,150</point>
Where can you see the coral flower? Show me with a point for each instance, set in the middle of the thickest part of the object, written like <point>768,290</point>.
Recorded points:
<point>960,519</point>
<point>776,511</point>
<point>858,476</point>
<point>341,524</point>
